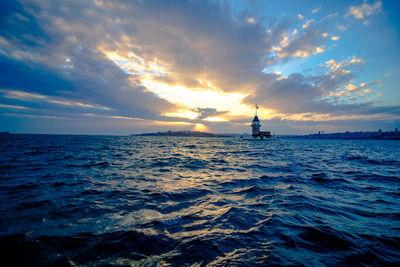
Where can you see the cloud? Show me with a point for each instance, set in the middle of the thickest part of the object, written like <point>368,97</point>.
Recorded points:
<point>341,28</point>
<point>339,93</point>
<point>354,88</point>
<point>105,58</point>
<point>70,57</point>
<point>295,96</point>
<point>104,54</point>
<point>251,20</point>
<point>350,87</point>
<point>309,38</point>
<point>209,112</point>
<point>100,56</point>
<point>307,24</point>
<point>302,46</point>
<point>20,95</point>
<point>365,10</point>
<point>13,107</point>
<point>316,10</point>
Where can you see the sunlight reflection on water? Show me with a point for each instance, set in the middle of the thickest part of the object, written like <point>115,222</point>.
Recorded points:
<point>177,200</point>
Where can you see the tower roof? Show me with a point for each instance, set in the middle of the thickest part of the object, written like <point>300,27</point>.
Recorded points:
<point>256,118</point>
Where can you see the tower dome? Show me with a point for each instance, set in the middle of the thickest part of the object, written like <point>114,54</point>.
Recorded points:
<point>256,119</point>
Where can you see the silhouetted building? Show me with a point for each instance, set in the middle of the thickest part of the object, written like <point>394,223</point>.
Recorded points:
<point>255,126</point>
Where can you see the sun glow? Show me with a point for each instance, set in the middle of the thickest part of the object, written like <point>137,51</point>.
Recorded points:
<point>207,95</point>
<point>183,114</point>
<point>200,98</point>
<point>215,119</point>
<point>200,127</point>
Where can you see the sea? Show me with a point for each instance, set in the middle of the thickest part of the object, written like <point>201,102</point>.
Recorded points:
<point>185,201</point>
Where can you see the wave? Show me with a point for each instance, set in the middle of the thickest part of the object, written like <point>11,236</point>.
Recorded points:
<point>91,164</point>
<point>76,200</point>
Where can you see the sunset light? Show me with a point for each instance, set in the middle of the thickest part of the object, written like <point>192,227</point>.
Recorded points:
<point>200,127</point>
<point>199,133</point>
<point>162,62</point>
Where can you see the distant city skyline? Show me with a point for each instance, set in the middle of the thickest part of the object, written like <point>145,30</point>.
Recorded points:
<point>121,67</point>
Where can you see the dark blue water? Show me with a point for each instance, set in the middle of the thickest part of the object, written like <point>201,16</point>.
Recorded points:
<point>121,201</point>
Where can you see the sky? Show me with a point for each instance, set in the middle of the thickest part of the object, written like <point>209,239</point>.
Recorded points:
<point>120,67</point>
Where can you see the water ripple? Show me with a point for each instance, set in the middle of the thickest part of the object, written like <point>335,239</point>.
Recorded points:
<point>118,201</point>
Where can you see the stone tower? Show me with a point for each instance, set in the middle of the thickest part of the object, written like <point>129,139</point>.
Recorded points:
<point>255,124</point>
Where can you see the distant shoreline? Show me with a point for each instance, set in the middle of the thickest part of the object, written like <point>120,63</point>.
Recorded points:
<point>379,135</point>
<point>183,133</point>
